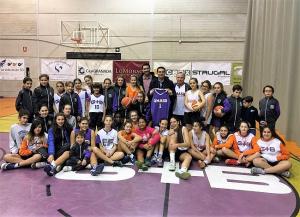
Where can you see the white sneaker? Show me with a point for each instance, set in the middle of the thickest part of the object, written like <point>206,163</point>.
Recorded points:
<point>172,166</point>
<point>286,174</point>
<point>89,167</point>
<point>58,168</point>
<point>67,168</point>
<point>38,165</point>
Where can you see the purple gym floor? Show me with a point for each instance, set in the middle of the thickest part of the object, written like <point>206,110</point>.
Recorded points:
<point>23,193</point>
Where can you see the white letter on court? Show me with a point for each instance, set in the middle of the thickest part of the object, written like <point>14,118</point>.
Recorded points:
<point>245,181</point>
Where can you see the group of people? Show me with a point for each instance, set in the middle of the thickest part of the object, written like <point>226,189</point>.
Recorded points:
<point>144,121</point>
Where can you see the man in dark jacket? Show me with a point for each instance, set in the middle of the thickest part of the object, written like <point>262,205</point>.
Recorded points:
<point>43,95</point>
<point>146,77</point>
<point>24,99</point>
<point>163,82</point>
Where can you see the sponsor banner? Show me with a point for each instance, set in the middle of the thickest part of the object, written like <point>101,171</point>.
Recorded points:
<point>127,68</point>
<point>236,73</point>
<point>59,69</point>
<point>172,68</point>
<point>12,69</point>
<point>98,69</point>
<point>212,71</point>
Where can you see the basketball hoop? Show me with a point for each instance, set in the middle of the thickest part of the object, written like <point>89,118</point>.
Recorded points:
<point>77,36</point>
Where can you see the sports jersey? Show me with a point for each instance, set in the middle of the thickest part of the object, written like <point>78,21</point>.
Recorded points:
<point>126,136</point>
<point>273,150</point>
<point>180,93</point>
<point>192,96</point>
<point>219,142</point>
<point>199,143</point>
<point>246,145</point>
<point>57,100</point>
<point>16,135</point>
<point>84,98</point>
<point>96,103</point>
<point>160,105</point>
<point>107,139</point>
<point>164,132</point>
<point>205,108</point>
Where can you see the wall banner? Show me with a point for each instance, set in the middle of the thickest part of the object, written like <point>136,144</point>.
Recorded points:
<point>59,69</point>
<point>98,69</point>
<point>12,69</point>
<point>212,71</point>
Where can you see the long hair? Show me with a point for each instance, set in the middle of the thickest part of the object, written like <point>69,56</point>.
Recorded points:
<point>35,124</point>
<point>273,133</point>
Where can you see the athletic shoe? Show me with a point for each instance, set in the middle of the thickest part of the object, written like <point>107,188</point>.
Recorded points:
<point>133,160</point>
<point>286,174</point>
<point>231,162</point>
<point>216,160</point>
<point>201,164</point>
<point>117,164</point>
<point>172,166</point>
<point>257,170</point>
<point>154,159</point>
<point>160,162</point>
<point>89,166</point>
<point>140,165</point>
<point>126,159</point>
<point>97,170</point>
<point>148,162</point>
<point>9,166</point>
<point>38,165</point>
<point>183,175</point>
<point>49,169</point>
<point>67,168</point>
<point>58,168</point>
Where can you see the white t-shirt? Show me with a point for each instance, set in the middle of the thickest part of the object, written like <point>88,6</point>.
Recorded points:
<point>191,97</point>
<point>204,109</point>
<point>107,139</point>
<point>179,105</point>
<point>16,135</point>
<point>163,133</point>
<point>200,143</point>
<point>97,103</point>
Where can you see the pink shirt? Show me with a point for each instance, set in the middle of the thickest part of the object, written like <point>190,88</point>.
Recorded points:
<point>145,134</point>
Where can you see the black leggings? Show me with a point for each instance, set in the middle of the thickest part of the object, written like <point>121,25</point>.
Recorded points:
<point>96,120</point>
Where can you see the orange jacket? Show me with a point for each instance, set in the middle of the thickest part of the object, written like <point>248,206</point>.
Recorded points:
<point>24,148</point>
<point>254,147</point>
<point>284,153</point>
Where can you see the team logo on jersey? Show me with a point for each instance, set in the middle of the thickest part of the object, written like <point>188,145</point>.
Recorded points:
<point>96,101</point>
<point>245,143</point>
<point>160,100</point>
<point>269,149</point>
<point>219,101</point>
<point>272,106</point>
<point>57,101</point>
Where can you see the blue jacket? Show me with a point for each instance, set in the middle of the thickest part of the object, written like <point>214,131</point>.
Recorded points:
<point>269,110</point>
<point>55,143</point>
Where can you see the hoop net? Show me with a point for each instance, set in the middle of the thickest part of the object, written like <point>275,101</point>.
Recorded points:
<point>77,36</point>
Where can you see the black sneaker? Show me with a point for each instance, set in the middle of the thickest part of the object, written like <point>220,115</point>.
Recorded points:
<point>117,164</point>
<point>49,169</point>
<point>8,166</point>
<point>126,159</point>
<point>97,170</point>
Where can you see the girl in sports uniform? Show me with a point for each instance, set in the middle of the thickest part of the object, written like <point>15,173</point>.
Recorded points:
<point>200,144</point>
<point>217,115</point>
<point>32,150</point>
<point>274,155</point>
<point>245,147</point>
<point>206,111</point>
<point>220,142</point>
<point>60,90</point>
<point>179,143</point>
<point>193,101</point>
<point>96,107</point>
<point>162,145</point>
<point>89,136</point>
<point>88,79</point>
<point>83,96</point>
<point>106,147</point>
<point>133,88</point>
<point>128,141</point>
<point>150,137</point>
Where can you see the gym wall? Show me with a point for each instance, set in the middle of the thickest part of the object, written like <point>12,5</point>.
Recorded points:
<point>210,30</point>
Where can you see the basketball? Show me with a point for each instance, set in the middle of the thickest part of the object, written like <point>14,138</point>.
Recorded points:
<point>219,107</point>
<point>126,101</point>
